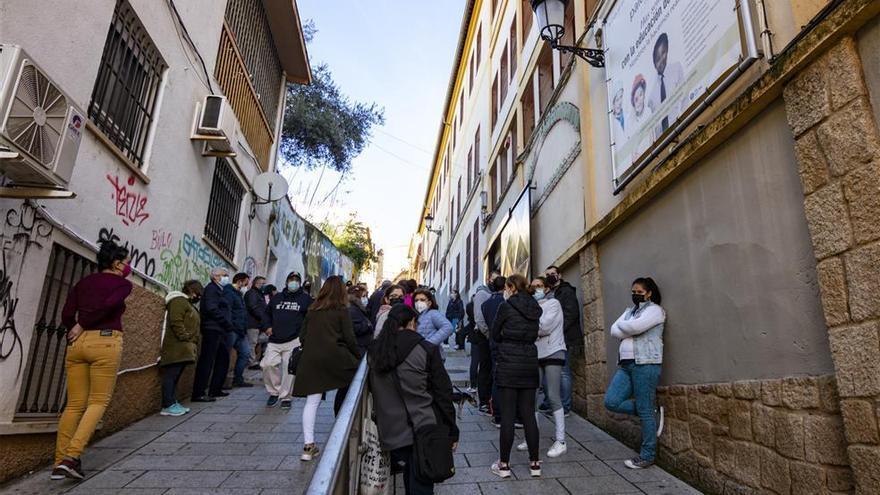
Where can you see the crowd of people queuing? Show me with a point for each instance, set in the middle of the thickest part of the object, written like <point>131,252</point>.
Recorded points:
<point>522,334</point>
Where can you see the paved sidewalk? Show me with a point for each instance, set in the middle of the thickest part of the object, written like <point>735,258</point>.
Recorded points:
<point>592,465</point>
<point>233,446</point>
<point>236,446</point>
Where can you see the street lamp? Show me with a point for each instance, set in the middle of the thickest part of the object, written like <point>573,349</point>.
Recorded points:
<point>550,17</point>
<point>429,221</point>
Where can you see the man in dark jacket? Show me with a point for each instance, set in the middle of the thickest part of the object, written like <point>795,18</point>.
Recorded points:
<point>216,323</point>
<point>563,292</point>
<point>360,319</point>
<point>490,310</point>
<point>237,339</point>
<point>375,301</point>
<point>283,320</point>
<point>255,303</point>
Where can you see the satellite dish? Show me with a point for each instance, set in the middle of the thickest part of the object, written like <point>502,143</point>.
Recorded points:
<point>270,187</point>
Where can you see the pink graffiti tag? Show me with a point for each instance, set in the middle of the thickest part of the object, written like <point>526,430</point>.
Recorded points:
<point>130,205</point>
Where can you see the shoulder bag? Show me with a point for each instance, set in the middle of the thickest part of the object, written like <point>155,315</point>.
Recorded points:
<point>432,448</point>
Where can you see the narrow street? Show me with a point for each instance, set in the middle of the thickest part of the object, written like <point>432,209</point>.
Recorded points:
<point>238,446</point>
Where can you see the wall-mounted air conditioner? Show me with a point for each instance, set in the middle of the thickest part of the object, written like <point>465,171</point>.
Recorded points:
<point>40,127</point>
<point>215,125</point>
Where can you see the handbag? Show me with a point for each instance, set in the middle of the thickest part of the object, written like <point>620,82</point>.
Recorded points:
<point>375,467</point>
<point>293,363</point>
<point>432,448</point>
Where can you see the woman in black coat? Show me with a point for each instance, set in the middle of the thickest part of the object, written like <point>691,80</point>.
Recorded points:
<point>515,329</point>
<point>360,317</point>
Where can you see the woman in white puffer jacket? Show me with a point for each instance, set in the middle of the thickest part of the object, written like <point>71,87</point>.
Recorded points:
<point>551,359</point>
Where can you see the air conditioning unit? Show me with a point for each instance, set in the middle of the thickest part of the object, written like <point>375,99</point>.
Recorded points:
<point>215,125</point>
<point>40,127</point>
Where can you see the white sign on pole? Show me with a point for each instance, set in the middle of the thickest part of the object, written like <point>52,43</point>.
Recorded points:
<point>660,58</point>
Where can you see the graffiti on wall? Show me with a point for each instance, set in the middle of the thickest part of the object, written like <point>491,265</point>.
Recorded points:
<point>161,239</point>
<point>189,260</point>
<point>10,342</point>
<point>131,205</point>
<point>28,226</point>
<point>140,259</point>
<point>299,246</point>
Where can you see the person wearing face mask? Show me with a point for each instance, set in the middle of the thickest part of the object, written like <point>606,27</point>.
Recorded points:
<point>360,318</point>
<point>633,388</point>
<point>551,358</point>
<point>394,294</point>
<point>284,319</point>
<point>566,294</point>
<point>411,389</point>
<point>92,316</point>
<point>216,325</point>
<point>237,339</point>
<point>515,330</point>
<point>255,303</point>
<point>433,326</point>
<point>180,343</point>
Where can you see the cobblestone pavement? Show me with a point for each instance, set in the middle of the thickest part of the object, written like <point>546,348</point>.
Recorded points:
<point>237,446</point>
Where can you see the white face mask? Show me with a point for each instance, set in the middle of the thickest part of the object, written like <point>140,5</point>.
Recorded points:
<point>293,286</point>
<point>539,294</point>
<point>421,306</point>
<point>224,280</point>
<point>506,295</point>
<point>365,301</point>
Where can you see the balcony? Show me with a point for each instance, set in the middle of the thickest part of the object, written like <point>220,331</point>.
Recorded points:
<point>234,79</point>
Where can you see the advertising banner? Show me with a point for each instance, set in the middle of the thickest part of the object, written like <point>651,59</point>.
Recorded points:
<point>516,244</point>
<point>661,56</point>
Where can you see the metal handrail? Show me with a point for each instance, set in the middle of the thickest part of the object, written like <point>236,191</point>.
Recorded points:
<point>343,446</point>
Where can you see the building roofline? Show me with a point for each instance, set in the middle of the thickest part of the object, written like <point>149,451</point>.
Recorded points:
<point>465,39</point>
<point>287,33</point>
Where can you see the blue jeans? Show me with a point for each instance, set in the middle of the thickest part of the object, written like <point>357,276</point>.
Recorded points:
<point>243,350</point>
<point>566,388</point>
<point>633,391</point>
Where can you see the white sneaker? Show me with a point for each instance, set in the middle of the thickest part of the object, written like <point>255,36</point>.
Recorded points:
<point>499,471</point>
<point>557,449</point>
<point>523,447</point>
<point>661,418</point>
<point>310,451</point>
<point>535,469</point>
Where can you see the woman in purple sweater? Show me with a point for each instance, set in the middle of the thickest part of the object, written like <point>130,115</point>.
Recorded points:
<point>93,318</point>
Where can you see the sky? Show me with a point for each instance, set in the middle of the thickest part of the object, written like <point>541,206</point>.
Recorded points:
<point>398,54</point>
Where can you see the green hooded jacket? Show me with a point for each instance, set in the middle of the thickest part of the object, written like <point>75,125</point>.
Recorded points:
<point>181,341</point>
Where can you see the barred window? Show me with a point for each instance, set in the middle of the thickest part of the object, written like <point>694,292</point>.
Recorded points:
<point>123,101</point>
<point>249,23</point>
<point>224,208</point>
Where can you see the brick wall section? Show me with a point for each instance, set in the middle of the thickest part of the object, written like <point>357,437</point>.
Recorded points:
<point>838,152</point>
<point>590,371</point>
<point>137,394</point>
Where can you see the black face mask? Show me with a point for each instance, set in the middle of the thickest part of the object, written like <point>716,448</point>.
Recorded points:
<point>552,280</point>
<point>638,299</point>
<point>195,299</point>
<point>395,300</point>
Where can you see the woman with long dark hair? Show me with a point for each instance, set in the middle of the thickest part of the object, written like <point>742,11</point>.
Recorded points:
<point>411,389</point>
<point>93,318</point>
<point>515,329</point>
<point>633,389</point>
<point>329,358</point>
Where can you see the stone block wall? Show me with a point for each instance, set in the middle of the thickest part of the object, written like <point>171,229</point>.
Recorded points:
<point>838,150</point>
